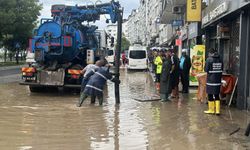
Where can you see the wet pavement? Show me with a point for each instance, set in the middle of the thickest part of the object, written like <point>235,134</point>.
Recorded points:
<point>52,121</point>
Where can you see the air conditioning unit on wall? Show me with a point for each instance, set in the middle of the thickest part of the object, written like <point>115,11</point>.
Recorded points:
<point>177,10</point>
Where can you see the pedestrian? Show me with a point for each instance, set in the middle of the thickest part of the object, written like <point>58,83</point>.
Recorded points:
<point>213,67</point>
<point>185,65</point>
<point>165,77</point>
<point>153,64</point>
<point>150,59</point>
<point>123,58</point>
<point>158,63</point>
<point>174,77</point>
<point>95,85</point>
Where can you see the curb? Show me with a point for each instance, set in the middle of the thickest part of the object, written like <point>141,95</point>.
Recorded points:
<point>151,73</point>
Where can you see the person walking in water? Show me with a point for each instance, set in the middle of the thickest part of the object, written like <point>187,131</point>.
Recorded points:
<point>174,77</point>
<point>165,77</point>
<point>213,67</point>
<point>95,85</point>
<point>185,65</point>
<point>88,69</point>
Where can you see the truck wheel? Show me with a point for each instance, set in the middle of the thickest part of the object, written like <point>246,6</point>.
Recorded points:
<point>35,89</point>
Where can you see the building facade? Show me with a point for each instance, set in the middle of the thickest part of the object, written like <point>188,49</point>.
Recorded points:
<point>227,28</point>
<point>143,23</point>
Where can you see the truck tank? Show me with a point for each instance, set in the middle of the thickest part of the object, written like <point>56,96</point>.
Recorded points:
<point>61,44</point>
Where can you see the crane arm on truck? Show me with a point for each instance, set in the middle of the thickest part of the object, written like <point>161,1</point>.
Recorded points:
<point>89,13</point>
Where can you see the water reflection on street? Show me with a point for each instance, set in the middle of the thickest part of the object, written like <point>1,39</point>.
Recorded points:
<point>52,121</point>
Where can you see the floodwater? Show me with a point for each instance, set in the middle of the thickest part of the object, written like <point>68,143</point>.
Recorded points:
<point>52,121</point>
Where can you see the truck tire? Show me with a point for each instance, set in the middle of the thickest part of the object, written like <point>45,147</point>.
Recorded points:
<point>35,89</point>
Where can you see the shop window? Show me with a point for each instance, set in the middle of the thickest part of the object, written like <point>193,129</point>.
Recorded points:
<point>234,52</point>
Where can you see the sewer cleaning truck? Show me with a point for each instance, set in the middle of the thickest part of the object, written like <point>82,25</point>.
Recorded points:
<point>64,44</point>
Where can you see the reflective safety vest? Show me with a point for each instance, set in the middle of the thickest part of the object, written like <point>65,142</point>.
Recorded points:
<point>158,62</point>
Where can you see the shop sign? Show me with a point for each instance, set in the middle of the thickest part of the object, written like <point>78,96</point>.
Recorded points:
<point>193,10</point>
<point>221,9</point>
<point>205,19</point>
<point>192,30</point>
<point>177,23</point>
<point>178,42</point>
<point>197,55</point>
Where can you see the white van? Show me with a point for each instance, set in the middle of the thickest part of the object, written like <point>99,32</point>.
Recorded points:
<point>110,57</point>
<point>137,57</point>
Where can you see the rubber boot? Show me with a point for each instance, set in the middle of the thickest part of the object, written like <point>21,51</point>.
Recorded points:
<point>210,108</point>
<point>217,107</point>
<point>247,130</point>
<point>100,100</point>
<point>93,99</point>
<point>82,98</point>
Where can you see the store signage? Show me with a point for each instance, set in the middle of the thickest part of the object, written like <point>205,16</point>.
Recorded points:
<point>197,55</point>
<point>177,23</point>
<point>192,30</point>
<point>178,42</point>
<point>205,19</point>
<point>221,9</point>
<point>193,10</point>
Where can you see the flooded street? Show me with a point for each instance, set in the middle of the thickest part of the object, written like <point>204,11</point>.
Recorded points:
<point>52,121</point>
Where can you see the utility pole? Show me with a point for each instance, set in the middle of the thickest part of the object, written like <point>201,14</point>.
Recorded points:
<point>118,54</point>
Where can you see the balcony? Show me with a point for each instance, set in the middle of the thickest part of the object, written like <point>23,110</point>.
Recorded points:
<point>167,14</point>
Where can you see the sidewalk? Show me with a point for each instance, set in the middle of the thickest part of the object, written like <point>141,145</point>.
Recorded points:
<point>150,70</point>
<point>12,67</point>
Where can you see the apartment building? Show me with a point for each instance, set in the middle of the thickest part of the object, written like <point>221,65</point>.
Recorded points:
<point>143,23</point>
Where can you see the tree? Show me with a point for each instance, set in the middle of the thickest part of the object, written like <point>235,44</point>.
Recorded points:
<point>18,19</point>
<point>125,44</point>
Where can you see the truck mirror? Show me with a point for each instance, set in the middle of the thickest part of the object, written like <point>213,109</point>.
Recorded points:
<point>107,20</point>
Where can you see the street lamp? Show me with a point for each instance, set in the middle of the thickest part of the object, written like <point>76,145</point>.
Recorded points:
<point>157,20</point>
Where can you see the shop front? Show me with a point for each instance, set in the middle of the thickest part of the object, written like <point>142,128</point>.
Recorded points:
<point>227,29</point>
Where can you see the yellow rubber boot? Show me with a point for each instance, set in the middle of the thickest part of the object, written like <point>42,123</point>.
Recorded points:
<point>217,107</point>
<point>210,108</point>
